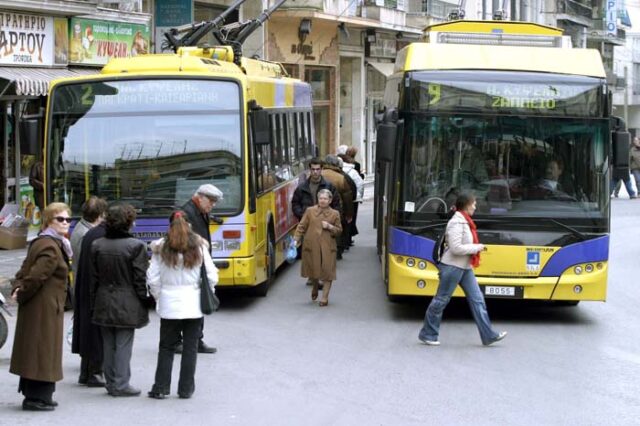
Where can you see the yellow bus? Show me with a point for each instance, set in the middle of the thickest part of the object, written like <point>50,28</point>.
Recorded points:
<point>149,130</point>
<point>509,112</point>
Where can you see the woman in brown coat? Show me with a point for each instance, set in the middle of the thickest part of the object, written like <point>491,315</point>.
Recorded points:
<point>320,225</point>
<point>40,289</point>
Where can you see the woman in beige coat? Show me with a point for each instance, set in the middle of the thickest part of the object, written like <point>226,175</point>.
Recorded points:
<point>40,289</point>
<point>320,225</point>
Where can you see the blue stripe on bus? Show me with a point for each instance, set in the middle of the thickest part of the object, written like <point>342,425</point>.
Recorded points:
<point>280,100</point>
<point>301,95</point>
<point>406,244</point>
<point>595,250</point>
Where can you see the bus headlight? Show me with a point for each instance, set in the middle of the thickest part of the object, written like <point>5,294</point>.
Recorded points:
<point>578,270</point>
<point>421,284</point>
<point>422,264</point>
<point>577,289</point>
<point>588,268</point>
<point>411,262</point>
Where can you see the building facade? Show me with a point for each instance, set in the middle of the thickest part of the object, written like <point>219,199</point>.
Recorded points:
<point>39,42</point>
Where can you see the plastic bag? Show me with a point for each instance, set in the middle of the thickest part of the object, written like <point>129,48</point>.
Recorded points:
<point>291,253</point>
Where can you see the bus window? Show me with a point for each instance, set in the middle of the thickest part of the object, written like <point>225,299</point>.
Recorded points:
<point>309,133</point>
<point>293,143</point>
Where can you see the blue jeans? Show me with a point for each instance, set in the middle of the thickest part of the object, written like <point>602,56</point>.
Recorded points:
<point>636,176</point>
<point>450,276</point>
<point>627,184</point>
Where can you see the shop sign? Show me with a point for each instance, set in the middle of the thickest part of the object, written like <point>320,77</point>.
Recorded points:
<point>93,42</point>
<point>26,39</point>
<point>170,14</point>
<point>611,17</point>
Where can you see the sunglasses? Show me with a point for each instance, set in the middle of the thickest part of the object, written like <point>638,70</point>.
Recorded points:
<point>63,219</point>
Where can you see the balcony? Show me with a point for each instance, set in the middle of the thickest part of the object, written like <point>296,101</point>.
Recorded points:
<point>330,7</point>
<point>598,33</point>
<point>578,12</point>
<point>385,11</point>
<point>421,13</point>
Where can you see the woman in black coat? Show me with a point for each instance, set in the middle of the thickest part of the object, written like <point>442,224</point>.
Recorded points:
<point>119,295</point>
<point>87,340</point>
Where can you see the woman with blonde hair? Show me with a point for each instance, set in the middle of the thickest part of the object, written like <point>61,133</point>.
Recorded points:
<point>174,281</point>
<point>320,225</point>
<point>40,289</point>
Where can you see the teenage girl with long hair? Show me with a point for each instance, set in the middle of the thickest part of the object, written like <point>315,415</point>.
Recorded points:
<point>174,281</point>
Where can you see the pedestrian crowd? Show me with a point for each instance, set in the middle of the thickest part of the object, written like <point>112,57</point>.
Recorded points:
<point>115,282</point>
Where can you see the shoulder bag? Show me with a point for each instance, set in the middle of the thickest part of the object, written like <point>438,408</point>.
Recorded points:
<point>209,302</point>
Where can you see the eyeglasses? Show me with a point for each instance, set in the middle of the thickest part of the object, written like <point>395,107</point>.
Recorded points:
<point>63,219</point>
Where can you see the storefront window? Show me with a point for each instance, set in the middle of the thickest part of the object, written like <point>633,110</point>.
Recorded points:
<point>319,79</point>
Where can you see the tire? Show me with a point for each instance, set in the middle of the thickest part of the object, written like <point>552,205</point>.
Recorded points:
<point>4,330</point>
<point>263,289</point>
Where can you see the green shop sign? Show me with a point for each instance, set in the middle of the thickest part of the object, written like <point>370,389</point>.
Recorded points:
<point>93,42</point>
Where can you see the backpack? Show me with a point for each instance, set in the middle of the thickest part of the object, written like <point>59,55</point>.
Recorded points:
<point>439,247</point>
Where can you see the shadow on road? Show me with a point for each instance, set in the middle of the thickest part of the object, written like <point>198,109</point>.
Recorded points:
<point>514,311</point>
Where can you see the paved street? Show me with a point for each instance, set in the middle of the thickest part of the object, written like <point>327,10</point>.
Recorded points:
<point>284,361</point>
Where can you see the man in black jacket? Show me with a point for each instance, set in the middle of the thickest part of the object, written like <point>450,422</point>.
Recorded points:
<point>305,194</point>
<point>197,210</point>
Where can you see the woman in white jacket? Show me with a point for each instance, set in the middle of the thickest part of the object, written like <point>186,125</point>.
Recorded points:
<point>461,255</point>
<point>174,281</point>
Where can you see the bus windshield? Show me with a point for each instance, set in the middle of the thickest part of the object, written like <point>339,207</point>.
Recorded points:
<point>150,143</point>
<point>517,166</point>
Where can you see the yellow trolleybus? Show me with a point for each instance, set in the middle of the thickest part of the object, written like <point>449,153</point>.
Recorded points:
<point>149,130</point>
<point>511,113</point>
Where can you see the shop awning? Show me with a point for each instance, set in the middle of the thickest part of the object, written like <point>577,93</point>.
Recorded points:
<point>35,81</point>
<point>384,68</point>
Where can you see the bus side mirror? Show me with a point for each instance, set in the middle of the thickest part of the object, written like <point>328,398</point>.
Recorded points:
<point>386,141</point>
<point>260,127</point>
<point>29,136</point>
<point>620,150</point>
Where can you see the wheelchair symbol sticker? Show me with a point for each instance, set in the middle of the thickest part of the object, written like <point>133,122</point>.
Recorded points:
<point>533,261</point>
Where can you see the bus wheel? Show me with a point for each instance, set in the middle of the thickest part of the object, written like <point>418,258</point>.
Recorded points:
<point>262,289</point>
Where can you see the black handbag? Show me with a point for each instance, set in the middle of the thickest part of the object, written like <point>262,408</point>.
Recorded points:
<point>209,302</point>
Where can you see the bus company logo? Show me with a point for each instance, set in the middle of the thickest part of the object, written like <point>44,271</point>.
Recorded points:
<point>533,260</point>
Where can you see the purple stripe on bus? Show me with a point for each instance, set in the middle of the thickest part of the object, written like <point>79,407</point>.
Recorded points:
<point>595,250</point>
<point>301,95</point>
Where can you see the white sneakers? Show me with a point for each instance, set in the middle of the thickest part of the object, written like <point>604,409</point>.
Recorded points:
<point>500,336</point>
<point>430,342</point>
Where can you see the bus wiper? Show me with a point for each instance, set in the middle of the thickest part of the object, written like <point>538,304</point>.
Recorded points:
<point>574,231</point>
<point>420,229</point>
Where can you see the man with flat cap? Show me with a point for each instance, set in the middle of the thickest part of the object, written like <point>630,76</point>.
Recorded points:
<point>197,211</point>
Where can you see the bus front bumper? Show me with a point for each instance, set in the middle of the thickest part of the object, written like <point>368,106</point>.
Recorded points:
<point>413,280</point>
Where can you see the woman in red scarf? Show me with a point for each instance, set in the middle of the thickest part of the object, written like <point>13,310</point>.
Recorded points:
<point>461,255</point>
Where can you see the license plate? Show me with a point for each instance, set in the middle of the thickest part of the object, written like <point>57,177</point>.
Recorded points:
<point>499,291</point>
